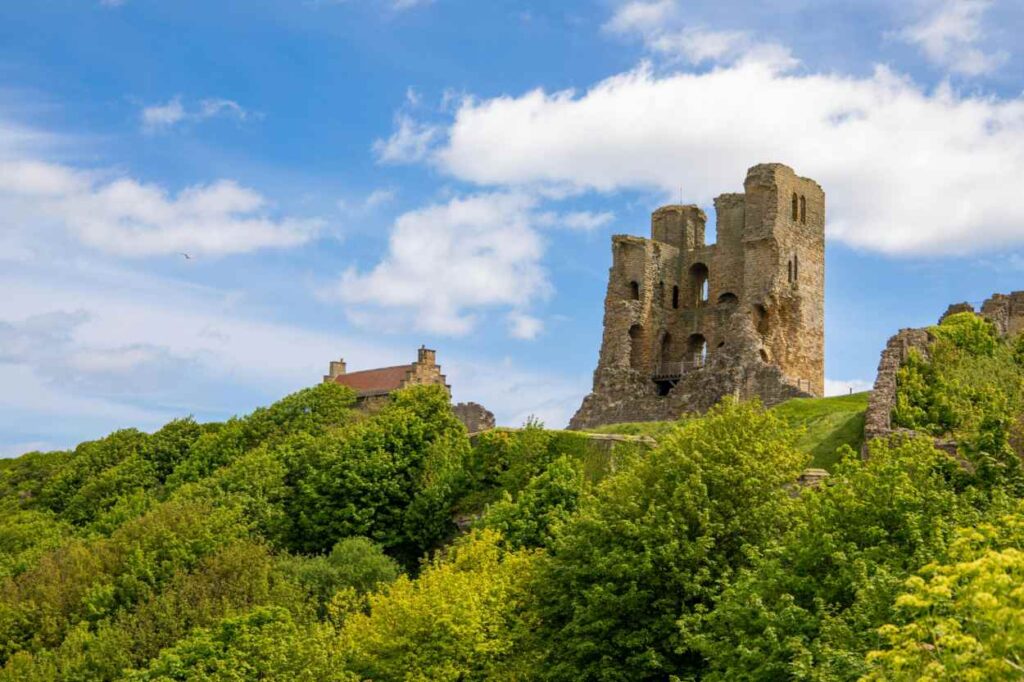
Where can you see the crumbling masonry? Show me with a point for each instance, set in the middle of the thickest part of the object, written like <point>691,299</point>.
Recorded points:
<point>687,323</point>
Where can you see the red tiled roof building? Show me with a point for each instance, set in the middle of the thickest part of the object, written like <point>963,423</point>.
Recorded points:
<point>374,383</point>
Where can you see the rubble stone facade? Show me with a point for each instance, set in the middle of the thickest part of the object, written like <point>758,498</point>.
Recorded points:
<point>687,323</point>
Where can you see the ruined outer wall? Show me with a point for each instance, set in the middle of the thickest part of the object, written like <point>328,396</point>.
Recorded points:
<point>1005,311</point>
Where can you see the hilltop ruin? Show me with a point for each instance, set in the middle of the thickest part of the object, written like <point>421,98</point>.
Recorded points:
<point>687,323</point>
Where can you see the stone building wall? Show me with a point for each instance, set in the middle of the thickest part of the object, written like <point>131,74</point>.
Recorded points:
<point>687,323</point>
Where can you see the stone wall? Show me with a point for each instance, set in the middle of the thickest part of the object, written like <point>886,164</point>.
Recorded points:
<point>476,417</point>
<point>1005,311</point>
<point>687,323</point>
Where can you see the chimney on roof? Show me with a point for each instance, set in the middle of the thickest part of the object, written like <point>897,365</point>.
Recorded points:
<point>336,370</point>
<point>426,357</point>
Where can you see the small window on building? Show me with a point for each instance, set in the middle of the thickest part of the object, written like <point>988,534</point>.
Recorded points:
<point>675,297</point>
<point>803,209</point>
<point>796,207</point>
<point>790,265</point>
<point>796,267</point>
<point>728,298</point>
<point>698,350</point>
<point>636,345</point>
<point>634,291</point>
<point>699,283</point>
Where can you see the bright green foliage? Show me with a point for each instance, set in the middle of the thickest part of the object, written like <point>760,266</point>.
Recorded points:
<point>809,606</point>
<point>460,620</point>
<point>505,461</point>
<point>658,541</point>
<point>969,389</point>
<point>392,477</point>
<point>963,618</point>
<point>548,500</point>
<point>356,563</point>
<point>25,535</point>
<point>265,644</point>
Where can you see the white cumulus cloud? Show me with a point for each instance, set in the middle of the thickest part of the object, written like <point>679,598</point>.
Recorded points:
<point>446,262</point>
<point>129,218</point>
<point>907,171</point>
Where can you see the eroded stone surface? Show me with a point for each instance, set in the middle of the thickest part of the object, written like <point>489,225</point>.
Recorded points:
<point>687,323</point>
<point>475,416</point>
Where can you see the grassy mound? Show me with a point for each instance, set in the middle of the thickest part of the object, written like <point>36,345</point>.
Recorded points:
<point>827,424</point>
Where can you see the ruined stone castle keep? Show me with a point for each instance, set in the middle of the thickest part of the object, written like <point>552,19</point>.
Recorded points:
<point>687,323</point>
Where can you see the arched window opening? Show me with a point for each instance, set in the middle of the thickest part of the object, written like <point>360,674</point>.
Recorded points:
<point>636,359</point>
<point>796,267</point>
<point>699,283</point>
<point>634,290</point>
<point>760,315</point>
<point>728,298</point>
<point>790,265</point>
<point>764,355</point>
<point>675,297</point>
<point>697,350</point>
<point>796,207</point>
<point>803,209</point>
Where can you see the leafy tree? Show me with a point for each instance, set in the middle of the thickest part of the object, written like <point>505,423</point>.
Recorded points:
<point>809,605</point>
<point>461,620</point>
<point>961,618</point>
<point>266,644</point>
<point>548,500</point>
<point>356,563</point>
<point>658,542</point>
<point>393,477</point>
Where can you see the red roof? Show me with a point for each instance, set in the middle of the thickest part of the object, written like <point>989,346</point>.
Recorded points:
<point>372,381</point>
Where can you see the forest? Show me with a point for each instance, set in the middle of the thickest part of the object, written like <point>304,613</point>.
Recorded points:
<point>310,540</point>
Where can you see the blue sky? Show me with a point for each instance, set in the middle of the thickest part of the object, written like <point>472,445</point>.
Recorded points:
<point>357,177</point>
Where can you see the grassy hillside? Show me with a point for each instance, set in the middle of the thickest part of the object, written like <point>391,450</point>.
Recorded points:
<point>311,541</point>
<point>825,425</point>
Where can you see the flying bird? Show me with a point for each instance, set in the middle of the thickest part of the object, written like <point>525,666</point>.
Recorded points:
<point>187,257</point>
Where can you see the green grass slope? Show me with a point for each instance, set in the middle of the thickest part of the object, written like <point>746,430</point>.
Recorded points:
<point>827,423</point>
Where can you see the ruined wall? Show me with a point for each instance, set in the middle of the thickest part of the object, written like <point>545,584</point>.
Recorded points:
<point>1005,311</point>
<point>687,322</point>
<point>474,416</point>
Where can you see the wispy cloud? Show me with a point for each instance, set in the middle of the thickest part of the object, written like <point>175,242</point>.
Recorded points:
<point>665,30</point>
<point>411,141</point>
<point>951,34</point>
<point>161,117</point>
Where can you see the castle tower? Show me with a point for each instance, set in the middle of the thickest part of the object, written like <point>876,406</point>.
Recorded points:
<point>687,323</point>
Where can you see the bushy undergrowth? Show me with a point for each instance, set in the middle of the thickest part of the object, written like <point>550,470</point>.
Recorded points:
<point>309,541</point>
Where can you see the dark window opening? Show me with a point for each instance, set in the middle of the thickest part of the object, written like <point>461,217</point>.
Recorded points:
<point>665,386</point>
<point>697,350</point>
<point>728,298</point>
<point>636,359</point>
<point>803,209</point>
<point>760,315</point>
<point>796,207</point>
<point>675,297</point>
<point>796,267</point>
<point>790,265</point>
<point>634,291</point>
<point>764,355</point>
<point>699,284</point>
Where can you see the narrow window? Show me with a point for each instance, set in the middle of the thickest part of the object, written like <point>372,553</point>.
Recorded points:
<point>790,264</point>
<point>796,267</point>
<point>675,297</point>
<point>699,284</point>
<point>796,207</point>
<point>803,210</point>
<point>634,291</point>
